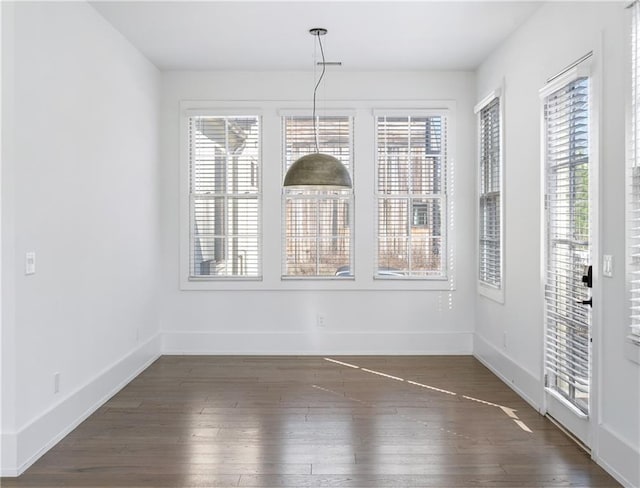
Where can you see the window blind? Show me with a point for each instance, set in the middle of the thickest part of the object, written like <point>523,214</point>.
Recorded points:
<point>490,220</point>
<point>224,196</point>
<point>566,115</point>
<point>633,172</point>
<point>411,156</point>
<point>318,225</point>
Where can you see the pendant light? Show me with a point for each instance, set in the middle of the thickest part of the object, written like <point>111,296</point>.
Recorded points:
<point>318,171</point>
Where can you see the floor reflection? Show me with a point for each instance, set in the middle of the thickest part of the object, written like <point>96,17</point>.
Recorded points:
<point>510,412</point>
<point>375,422</point>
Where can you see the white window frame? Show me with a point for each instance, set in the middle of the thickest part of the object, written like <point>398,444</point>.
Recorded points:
<point>364,175</point>
<point>325,113</point>
<point>582,70</point>
<point>632,347</point>
<point>447,199</point>
<point>187,281</point>
<point>485,289</point>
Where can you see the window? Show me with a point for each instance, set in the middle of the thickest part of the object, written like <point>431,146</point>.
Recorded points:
<point>235,236</point>
<point>224,197</point>
<point>420,214</point>
<point>568,237</point>
<point>318,225</point>
<point>411,196</point>
<point>633,178</point>
<point>490,197</point>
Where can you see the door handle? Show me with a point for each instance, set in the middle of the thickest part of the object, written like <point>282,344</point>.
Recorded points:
<point>586,302</point>
<point>587,278</point>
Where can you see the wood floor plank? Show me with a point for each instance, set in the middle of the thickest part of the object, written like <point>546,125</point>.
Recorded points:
<point>202,421</point>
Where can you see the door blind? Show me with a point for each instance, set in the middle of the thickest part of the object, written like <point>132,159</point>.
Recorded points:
<point>490,259</point>
<point>224,196</point>
<point>566,114</point>
<point>633,197</point>
<point>318,225</point>
<point>411,161</point>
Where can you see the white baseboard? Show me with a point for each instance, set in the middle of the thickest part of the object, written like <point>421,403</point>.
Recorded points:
<point>524,383</point>
<point>20,450</point>
<point>618,457</point>
<point>42,433</point>
<point>8,454</point>
<point>317,343</point>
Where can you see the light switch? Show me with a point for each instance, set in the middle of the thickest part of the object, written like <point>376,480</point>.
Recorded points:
<point>30,263</point>
<point>607,265</point>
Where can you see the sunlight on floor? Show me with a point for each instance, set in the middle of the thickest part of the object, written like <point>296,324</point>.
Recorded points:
<point>510,412</point>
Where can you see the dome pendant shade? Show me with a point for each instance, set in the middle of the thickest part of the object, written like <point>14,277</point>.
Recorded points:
<point>318,170</point>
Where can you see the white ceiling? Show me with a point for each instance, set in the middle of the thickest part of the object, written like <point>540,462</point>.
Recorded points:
<point>364,35</point>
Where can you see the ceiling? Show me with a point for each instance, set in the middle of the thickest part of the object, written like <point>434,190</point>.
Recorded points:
<point>363,35</point>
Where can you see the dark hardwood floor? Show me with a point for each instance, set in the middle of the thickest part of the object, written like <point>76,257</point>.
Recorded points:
<point>193,421</point>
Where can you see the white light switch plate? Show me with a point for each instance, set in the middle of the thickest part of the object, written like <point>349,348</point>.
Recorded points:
<point>30,263</point>
<point>607,265</point>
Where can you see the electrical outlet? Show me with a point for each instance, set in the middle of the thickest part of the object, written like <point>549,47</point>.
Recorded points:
<point>56,382</point>
<point>321,320</point>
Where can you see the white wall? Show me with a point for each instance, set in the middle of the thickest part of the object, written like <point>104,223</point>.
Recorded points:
<point>79,187</point>
<point>3,84</point>
<point>273,317</point>
<point>550,40</point>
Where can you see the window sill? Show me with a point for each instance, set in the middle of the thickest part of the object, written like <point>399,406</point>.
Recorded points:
<point>317,278</point>
<point>494,294</point>
<point>318,284</point>
<point>224,279</point>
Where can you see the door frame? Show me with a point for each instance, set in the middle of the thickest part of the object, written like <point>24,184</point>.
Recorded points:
<point>572,419</point>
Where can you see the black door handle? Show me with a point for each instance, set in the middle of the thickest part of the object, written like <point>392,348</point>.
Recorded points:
<point>586,302</point>
<point>587,278</point>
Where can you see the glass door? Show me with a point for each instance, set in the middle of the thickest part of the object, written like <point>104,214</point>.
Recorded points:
<point>568,276</point>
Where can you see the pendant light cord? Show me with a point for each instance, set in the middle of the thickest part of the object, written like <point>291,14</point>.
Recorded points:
<point>315,90</point>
